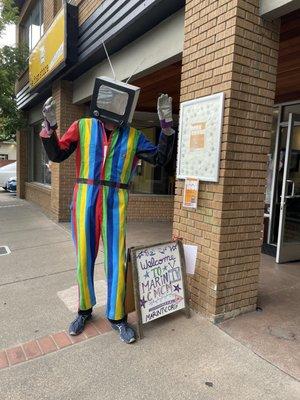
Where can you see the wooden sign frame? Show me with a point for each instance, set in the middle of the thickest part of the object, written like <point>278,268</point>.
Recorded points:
<point>133,259</point>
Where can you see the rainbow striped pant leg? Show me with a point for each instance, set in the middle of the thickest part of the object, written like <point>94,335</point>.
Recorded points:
<point>113,236</point>
<point>86,232</point>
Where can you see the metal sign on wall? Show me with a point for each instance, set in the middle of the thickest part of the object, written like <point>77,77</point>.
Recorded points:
<point>56,49</point>
<point>199,143</point>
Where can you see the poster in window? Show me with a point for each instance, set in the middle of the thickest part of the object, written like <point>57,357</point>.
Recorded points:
<point>199,142</point>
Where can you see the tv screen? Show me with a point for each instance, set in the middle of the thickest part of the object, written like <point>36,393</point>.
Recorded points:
<point>113,100</point>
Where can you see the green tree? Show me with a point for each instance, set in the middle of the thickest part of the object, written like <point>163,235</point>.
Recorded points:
<point>12,62</point>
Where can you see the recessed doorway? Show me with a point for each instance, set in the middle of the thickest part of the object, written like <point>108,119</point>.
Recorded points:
<point>283,187</point>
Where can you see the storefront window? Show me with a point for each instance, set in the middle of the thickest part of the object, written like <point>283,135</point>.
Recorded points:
<point>39,164</point>
<point>158,180</point>
<point>32,28</point>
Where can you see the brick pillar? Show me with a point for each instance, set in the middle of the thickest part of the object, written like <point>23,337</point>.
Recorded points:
<point>22,166</point>
<point>63,175</point>
<point>229,48</point>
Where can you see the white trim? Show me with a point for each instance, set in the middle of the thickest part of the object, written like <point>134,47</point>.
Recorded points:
<point>272,9</point>
<point>282,214</point>
<point>274,176</point>
<point>287,103</point>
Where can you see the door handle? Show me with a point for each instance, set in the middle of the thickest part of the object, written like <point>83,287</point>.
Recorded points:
<point>293,189</point>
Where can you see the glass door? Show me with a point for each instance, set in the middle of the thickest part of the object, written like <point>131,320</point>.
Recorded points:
<point>286,191</point>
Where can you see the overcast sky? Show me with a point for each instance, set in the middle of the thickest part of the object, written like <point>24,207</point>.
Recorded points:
<point>9,36</point>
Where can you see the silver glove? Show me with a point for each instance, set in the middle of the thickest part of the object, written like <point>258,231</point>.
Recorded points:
<point>49,113</point>
<point>164,110</point>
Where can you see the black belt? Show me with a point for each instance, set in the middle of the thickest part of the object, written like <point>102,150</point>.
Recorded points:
<point>96,182</point>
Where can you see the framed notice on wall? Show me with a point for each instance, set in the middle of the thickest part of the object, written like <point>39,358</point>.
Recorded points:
<point>159,280</point>
<point>199,143</point>
<point>190,193</point>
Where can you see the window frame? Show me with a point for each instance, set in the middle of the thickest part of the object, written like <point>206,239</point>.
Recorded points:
<point>26,37</point>
<point>31,151</point>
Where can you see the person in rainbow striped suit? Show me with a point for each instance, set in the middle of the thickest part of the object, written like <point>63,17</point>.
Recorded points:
<point>106,157</point>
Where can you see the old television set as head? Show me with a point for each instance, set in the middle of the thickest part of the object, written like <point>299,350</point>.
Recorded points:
<point>114,101</point>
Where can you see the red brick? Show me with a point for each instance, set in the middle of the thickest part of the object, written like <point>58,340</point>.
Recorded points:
<point>78,338</point>
<point>61,339</point>
<point>102,325</point>
<point>47,344</point>
<point>3,360</point>
<point>32,350</point>
<point>15,355</point>
<point>90,330</point>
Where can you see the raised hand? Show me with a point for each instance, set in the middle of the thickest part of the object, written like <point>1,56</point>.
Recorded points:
<point>49,113</point>
<point>164,110</point>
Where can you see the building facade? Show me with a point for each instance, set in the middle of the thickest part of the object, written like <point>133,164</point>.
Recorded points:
<point>146,27</point>
<point>8,152</point>
<point>248,50</point>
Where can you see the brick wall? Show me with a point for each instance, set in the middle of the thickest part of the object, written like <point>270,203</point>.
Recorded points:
<point>40,195</point>
<point>143,207</point>
<point>229,48</point>
<point>63,175</point>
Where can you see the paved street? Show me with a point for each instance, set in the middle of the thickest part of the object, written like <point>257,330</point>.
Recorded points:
<point>178,358</point>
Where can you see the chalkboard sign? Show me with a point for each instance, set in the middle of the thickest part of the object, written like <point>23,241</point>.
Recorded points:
<point>159,280</point>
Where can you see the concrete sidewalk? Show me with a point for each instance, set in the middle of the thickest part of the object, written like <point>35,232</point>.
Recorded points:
<point>179,358</point>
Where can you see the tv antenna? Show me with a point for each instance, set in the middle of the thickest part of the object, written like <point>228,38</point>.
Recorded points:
<point>112,68</point>
<point>109,60</point>
<point>138,67</point>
